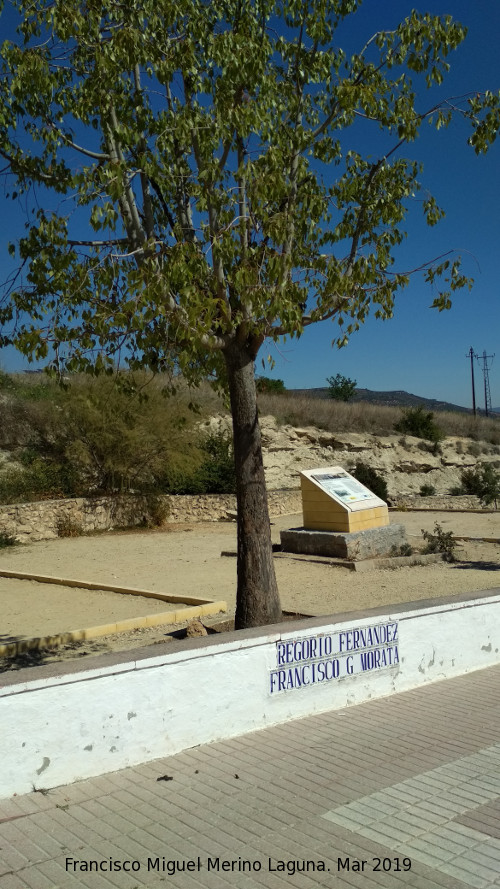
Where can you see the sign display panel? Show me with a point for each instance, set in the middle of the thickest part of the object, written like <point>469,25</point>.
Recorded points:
<point>342,485</point>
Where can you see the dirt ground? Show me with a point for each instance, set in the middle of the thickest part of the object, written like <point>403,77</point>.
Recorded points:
<point>186,559</point>
<point>31,609</point>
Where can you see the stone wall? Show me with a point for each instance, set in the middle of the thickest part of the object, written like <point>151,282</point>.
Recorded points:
<point>48,519</point>
<point>437,501</point>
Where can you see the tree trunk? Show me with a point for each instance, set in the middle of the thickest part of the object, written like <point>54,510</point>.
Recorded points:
<point>257,599</point>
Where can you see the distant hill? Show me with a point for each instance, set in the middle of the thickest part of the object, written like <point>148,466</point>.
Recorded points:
<point>396,398</point>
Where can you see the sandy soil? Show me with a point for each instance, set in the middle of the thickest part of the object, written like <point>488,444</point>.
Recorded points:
<point>187,560</point>
<point>30,609</point>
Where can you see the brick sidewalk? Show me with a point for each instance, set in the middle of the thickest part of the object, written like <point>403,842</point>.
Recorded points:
<point>415,776</point>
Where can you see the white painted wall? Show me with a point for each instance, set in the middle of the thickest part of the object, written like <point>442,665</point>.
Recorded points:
<point>74,725</point>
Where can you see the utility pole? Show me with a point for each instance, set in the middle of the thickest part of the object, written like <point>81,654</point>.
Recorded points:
<point>472,356</point>
<point>487,395</point>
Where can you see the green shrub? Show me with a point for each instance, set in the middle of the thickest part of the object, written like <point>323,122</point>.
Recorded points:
<point>474,449</point>
<point>266,384</point>
<point>7,540</point>
<point>157,511</point>
<point>40,480</point>
<point>427,490</point>
<point>371,479</point>
<point>430,447</point>
<point>67,527</point>
<point>420,423</point>
<point>215,474</point>
<point>405,549</point>
<point>482,481</point>
<point>99,436</point>
<point>440,542</point>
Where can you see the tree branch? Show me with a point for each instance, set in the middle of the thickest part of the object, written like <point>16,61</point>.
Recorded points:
<point>112,242</point>
<point>96,155</point>
<point>146,194</point>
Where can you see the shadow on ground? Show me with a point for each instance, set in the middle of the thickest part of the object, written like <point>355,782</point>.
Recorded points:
<point>477,565</point>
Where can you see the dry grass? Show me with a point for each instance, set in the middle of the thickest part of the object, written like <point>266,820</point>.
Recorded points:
<point>338,416</point>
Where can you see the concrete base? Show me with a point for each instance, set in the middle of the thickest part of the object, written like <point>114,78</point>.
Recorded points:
<point>353,546</point>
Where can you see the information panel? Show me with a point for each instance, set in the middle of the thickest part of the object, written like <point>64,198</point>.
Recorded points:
<point>333,500</point>
<point>344,486</point>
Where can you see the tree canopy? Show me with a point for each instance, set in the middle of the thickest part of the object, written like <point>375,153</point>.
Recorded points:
<point>341,388</point>
<point>201,149</point>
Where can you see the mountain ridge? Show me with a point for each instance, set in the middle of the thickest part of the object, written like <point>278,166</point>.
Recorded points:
<point>391,398</point>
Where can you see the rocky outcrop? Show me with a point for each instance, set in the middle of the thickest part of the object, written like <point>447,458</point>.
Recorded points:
<point>405,463</point>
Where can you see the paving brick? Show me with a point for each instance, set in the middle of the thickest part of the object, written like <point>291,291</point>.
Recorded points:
<point>352,782</point>
<point>489,849</point>
<point>33,879</point>
<point>13,881</point>
<point>471,879</point>
<point>460,833</point>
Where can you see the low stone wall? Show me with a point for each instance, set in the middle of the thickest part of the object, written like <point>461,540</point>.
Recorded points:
<point>436,501</point>
<point>47,519</point>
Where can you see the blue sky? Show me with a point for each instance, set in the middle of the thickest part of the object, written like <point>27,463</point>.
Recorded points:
<point>420,349</point>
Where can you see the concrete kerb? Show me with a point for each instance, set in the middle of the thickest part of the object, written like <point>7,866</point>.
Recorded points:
<point>200,607</point>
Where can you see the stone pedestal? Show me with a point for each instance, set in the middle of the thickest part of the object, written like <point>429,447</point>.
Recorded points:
<point>353,546</point>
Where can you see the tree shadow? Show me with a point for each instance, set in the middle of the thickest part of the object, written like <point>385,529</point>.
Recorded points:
<point>477,565</point>
<point>33,658</point>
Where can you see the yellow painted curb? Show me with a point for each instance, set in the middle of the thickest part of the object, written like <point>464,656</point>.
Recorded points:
<point>92,585</point>
<point>10,649</point>
<point>195,606</point>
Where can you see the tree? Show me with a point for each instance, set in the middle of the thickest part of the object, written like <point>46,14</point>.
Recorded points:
<point>420,423</point>
<point>269,386</point>
<point>197,192</point>
<point>341,388</point>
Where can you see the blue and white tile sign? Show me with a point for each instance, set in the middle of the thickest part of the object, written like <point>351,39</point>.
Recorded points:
<point>310,660</point>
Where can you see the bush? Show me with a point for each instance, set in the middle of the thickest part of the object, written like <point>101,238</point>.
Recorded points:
<point>265,384</point>
<point>427,490</point>
<point>7,540</point>
<point>440,542</point>
<point>66,527</point>
<point>482,481</point>
<point>420,423</point>
<point>405,549</point>
<point>474,449</point>
<point>158,511</point>
<point>341,388</point>
<point>214,475</point>
<point>371,479</point>
<point>39,480</point>
<point>100,436</point>
<point>430,447</point>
